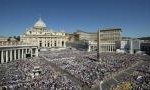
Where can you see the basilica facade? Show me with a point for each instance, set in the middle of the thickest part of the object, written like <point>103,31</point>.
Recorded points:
<point>43,37</point>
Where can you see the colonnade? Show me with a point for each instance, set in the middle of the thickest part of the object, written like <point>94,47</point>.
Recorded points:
<point>51,44</point>
<point>10,54</point>
<point>108,48</point>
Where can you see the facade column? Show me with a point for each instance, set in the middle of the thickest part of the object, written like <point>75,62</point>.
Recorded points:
<point>89,48</point>
<point>108,48</point>
<point>64,43</point>
<point>111,48</point>
<point>31,52</point>
<point>56,42</point>
<point>6,56</point>
<point>36,52</point>
<point>10,55</point>
<point>2,57</point>
<point>50,43</point>
<point>26,51</point>
<point>131,46</point>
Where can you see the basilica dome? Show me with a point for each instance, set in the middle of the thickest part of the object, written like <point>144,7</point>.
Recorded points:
<point>40,24</point>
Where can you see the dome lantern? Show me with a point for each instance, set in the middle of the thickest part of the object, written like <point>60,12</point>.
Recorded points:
<point>40,24</point>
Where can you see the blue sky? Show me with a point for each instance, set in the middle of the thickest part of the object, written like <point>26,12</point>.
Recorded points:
<point>133,16</point>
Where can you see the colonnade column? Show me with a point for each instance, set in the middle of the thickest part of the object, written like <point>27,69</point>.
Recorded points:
<point>131,46</point>
<point>31,52</point>
<point>2,57</point>
<point>107,48</point>
<point>10,55</point>
<point>18,53</point>
<point>22,53</point>
<point>6,56</point>
<point>14,54</point>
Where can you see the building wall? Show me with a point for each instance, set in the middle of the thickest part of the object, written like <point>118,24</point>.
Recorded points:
<point>2,39</point>
<point>81,35</point>
<point>145,47</point>
<point>131,45</point>
<point>81,39</point>
<point>107,39</point>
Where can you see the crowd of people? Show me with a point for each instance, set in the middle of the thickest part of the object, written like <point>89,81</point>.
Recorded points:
<point>37,73</point>
<point>85,66</point>
<point>19,75</point>
<point>138,80</point>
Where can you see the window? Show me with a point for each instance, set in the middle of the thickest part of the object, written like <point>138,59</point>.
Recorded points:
<point>40,44</point>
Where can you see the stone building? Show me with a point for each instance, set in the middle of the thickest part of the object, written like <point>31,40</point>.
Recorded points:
<point>145,45</point>
<point>82,35</point>
<point>83,40</point>
<point>43,37</point>
<point>107,39</point>
<point>129,45</point>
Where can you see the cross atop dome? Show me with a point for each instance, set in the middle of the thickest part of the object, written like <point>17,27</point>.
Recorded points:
<point>40,24</point>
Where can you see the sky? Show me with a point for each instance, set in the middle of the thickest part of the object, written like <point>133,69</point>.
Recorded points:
<point>132,16</point>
